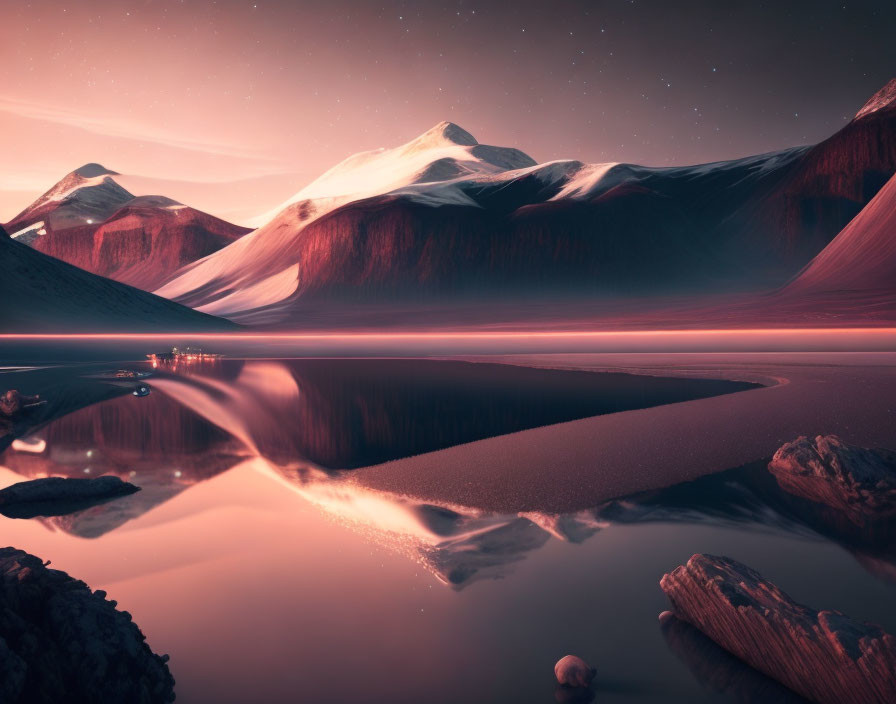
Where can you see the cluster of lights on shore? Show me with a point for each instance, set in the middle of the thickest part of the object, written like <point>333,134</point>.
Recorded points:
<point>176,356</point>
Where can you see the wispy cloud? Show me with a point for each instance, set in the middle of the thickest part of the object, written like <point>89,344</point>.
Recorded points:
<point>124,129</point>
<point>29,182</point>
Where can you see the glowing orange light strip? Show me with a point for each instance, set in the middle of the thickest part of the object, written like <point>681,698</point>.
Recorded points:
<point>460,335</point>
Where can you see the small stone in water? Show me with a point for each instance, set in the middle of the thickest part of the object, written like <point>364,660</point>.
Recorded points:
<point>572,671</point>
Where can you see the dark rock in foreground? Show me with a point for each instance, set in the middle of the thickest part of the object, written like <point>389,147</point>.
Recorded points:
<point>57,496</point>
<point>859,482</point>
<point>60,642</point>
<point>823,655</point>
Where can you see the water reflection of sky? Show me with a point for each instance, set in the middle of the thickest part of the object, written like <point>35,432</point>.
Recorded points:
<point>269,578</point>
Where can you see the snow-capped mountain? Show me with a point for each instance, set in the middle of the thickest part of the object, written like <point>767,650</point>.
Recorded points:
<point>445,221</point>
<point>87,195</point>
<point>443,153</point>
<point>260,269</point>
<point>444,216</point>
<point>88,219</point>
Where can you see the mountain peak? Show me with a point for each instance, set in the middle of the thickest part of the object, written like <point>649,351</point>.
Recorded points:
<point>89,193</point>
<point>92,170</point>
<point>446,133</point>
<point>88,176</point>
<point>884,99</point>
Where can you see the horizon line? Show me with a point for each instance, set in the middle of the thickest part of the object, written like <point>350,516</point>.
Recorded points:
<point>451,334</point>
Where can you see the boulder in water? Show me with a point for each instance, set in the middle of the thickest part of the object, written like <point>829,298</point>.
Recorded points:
<point>859,482</point>
<point>825,656</point>
<point>572,671</point>
<point>58,496</point>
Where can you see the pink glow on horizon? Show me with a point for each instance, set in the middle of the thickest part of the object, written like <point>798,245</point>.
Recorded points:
<point>458,342</point>
<point>453,334</point>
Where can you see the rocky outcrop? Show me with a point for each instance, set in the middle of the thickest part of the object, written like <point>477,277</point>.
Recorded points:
<point>61,642</point>
<point>858,482</point>
<point>823,655</point>
<point>55,496</point>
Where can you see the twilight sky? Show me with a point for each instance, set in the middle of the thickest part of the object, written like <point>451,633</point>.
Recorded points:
<point>234,105</point>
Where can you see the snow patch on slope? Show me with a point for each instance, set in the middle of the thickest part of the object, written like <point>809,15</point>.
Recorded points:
<point>29,233</point>
<point>87,176</point>
<point>69,188</point>
<point>585,180</point>
<point>751,166</point>
<point>265,292</point>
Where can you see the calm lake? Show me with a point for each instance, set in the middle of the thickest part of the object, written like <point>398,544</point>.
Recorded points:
<point>269,575</point>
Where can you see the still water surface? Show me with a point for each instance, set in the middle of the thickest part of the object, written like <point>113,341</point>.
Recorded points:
<point>252,558</point>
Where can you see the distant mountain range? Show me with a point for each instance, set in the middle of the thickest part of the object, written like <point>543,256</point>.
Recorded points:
<point>562,229</point>
<point>443,218</point>
<point>444,221</point>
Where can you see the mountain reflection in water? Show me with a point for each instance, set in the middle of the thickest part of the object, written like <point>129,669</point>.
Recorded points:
<point>324,413</point>
<point>350,413</point>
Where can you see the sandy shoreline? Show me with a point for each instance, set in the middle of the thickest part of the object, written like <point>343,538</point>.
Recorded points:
<point>579,464</point>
